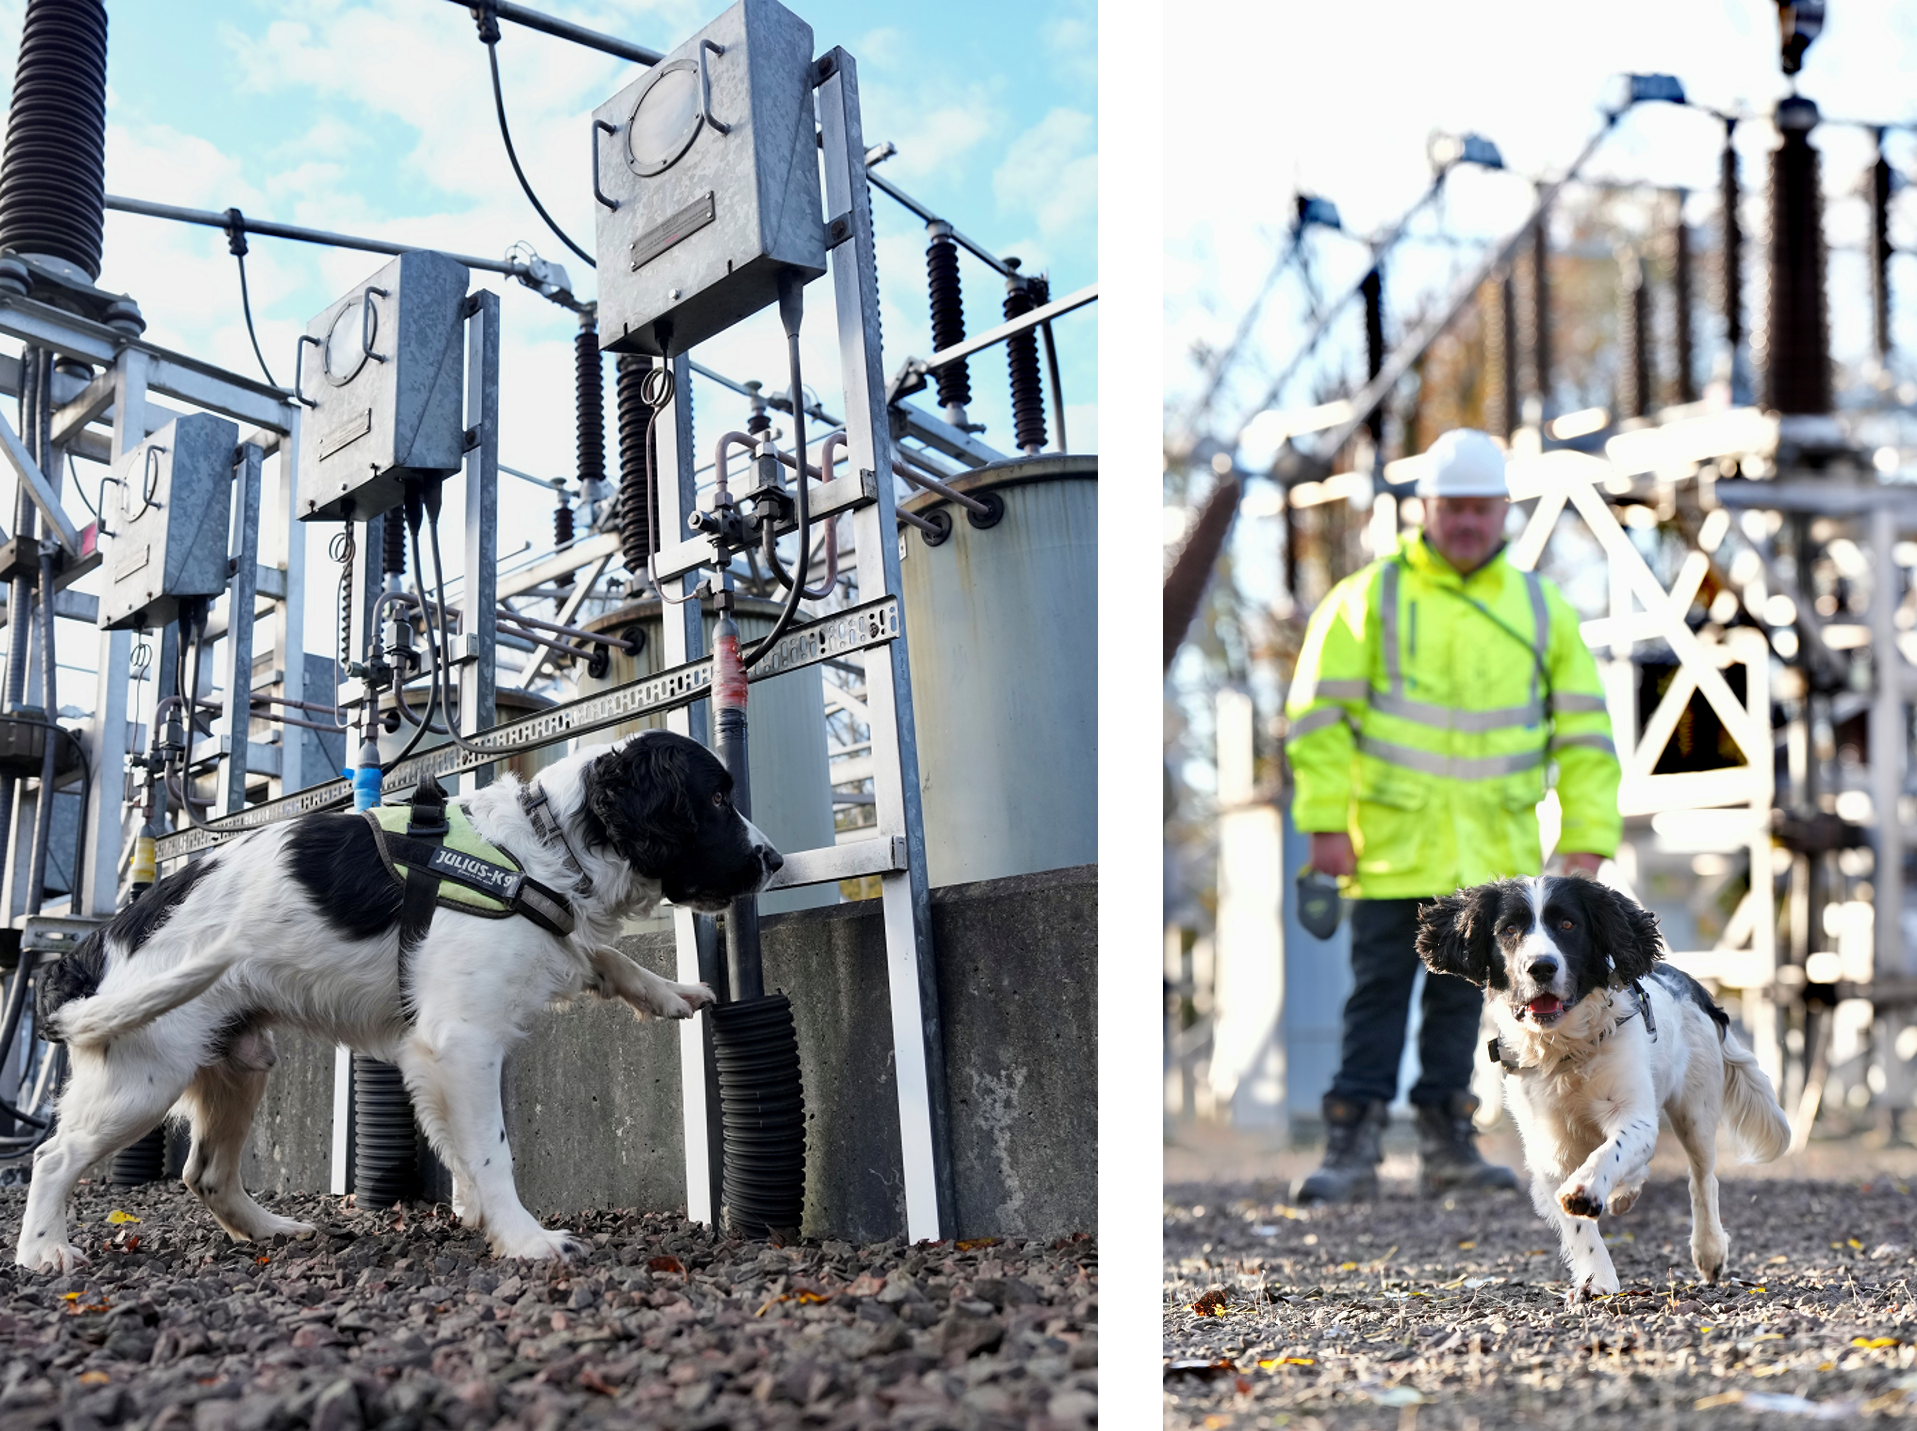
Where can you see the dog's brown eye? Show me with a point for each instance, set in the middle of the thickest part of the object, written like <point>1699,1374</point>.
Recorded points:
<point>719,800</point>
<point>1564,924</point>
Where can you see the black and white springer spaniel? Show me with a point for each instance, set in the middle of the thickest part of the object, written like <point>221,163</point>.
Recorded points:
<point>172,1005</point>
<point>1598,1037</point>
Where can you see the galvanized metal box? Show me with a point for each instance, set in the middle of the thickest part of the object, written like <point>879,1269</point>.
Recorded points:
<point>707,172</point>
<point>169,525</point>
<point>381,375</point>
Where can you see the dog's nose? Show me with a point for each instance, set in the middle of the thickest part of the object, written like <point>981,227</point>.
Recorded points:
<point>1543,970</point>
<point>774,861</point>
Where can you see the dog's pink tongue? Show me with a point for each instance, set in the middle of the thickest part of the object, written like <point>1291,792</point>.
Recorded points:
<point>1546,1006</point>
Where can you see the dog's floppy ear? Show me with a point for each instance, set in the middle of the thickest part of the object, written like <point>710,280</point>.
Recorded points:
<point>1455,934</point>
<point>1622,930</point>
<point>637,800</point>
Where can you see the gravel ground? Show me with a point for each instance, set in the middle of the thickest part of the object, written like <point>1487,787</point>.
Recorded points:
<point>1412,1313</point>
<point>405,1321</point>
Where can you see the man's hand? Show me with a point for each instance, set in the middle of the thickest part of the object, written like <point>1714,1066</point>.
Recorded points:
<point>1331,853</point>
<point>1578,862</point>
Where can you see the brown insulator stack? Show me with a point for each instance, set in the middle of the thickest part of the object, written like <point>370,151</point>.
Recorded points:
<point>1880,252</point>
<point>1498,304</point>
<point>1373,289</point>
<point>638,478</point>
<point>1681,300</point>
<point>1022,295</point>
<point>1796,339</point>
<point>1634,396</point>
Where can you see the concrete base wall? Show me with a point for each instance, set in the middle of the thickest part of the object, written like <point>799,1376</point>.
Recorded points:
<point>592,1097</point>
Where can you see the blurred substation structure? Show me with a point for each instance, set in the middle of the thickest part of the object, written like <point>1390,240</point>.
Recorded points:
<point>865,1072</point>
<point>1743,546</point>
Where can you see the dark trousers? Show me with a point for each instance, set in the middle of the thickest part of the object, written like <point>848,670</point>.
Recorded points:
<point>1383,963</point>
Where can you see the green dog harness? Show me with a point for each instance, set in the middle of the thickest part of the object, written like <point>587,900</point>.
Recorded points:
<point>432,850</point>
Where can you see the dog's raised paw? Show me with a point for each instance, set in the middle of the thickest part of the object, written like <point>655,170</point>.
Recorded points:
<point>696,997</point>
<point>1621,1201</point>
<point>1578,1202</point>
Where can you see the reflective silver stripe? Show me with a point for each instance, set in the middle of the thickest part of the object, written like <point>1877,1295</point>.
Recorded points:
<point>1541,621</point>
<point>1388,625</point>
<point>1315,720</point>
<point>1353,690</point>
<point>1446,718</point>
<point>1594,741</point>
<point>1575,703</point>
<point>1452,767</point>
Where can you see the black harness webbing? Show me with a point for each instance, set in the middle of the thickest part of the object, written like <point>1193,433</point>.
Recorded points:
<point>429,862</point>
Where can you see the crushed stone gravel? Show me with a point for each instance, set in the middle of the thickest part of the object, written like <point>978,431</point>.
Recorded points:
<point>1451,1314</point>
<point>404,1320</point>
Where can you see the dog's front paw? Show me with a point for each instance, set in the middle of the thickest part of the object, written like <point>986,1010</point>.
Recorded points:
<point>540,1245</point>
<point>1592,1284</point>
<point>1578,1201</point>
<point>56,1257</point>
<point>694,997</point>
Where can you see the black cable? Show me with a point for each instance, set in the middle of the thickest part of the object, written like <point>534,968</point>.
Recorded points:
<point>791,299</point>
<point>491,39</point>
<point>413,502</point>
<point>236,245</point>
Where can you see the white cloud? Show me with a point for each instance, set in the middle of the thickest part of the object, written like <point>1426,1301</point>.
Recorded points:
<point>1051,172</point>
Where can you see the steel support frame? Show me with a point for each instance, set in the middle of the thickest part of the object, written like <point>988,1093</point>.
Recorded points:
<point>478,670</point>
<point>911,968</point>
<point>1642,610</point>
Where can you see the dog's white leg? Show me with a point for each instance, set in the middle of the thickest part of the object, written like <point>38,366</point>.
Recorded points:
<point>455,1085</point>
<point>1587,1261</point>
<point>111,1098</point>
<point>221,1100</point>
<point>646,991</point>
<point>1697,1131</point>
<point>1630,1137</point>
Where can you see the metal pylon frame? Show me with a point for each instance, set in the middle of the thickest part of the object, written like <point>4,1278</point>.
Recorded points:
<point>896,849</point>
<point>1739,799</point>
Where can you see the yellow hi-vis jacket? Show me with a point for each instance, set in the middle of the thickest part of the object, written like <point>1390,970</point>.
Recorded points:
<point>1422,723</point>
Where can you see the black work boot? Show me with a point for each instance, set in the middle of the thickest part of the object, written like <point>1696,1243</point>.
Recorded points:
<point>1448,1157</point>
<point>1349,1172</point>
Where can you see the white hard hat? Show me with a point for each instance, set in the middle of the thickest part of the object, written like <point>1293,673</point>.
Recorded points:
<point>1463,463</point>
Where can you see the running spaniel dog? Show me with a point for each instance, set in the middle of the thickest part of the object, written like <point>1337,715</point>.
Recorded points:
<point>1598,1037</point>
<point>172,1005</point>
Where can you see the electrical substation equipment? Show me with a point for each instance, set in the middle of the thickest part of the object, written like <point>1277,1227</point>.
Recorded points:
<point>383,387</point>
<point>169,526</point>
<point>706,173</point>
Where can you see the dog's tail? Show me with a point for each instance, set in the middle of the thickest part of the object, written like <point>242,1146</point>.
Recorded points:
<point>1757,1124</point>
<point>95,1020</point>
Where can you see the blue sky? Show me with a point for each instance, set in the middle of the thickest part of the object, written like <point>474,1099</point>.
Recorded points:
<point>377,118</point>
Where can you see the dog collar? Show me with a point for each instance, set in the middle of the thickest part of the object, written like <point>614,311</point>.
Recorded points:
<point>547,826</point>
<point>1510,1065</point>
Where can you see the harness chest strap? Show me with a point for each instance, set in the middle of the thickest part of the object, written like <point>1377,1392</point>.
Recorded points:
<point>488,880</point>
<point>1496,1046</point>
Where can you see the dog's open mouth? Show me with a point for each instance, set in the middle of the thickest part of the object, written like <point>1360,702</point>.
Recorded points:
<point>1545,1010</point>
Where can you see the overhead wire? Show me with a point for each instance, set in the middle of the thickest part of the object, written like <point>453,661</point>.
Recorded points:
<point>236,245</point>
<point>489,35</point>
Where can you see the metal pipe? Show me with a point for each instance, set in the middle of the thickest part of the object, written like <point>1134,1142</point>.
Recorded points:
<point>991,337</point>
<point>977,250</point>
<point>507,613</point>
<point>912,519</point>
<point>1051,375</point>
<point>268,229</point>
<point>566,30</point>
<point>951,494</point>
<point>43,802</point>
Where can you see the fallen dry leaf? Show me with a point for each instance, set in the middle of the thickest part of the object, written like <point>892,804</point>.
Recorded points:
<point>667,1264</point>
<point>116,1217</point>
<point>1212,1304</point>
<point>972,1244</point>
<point>94,1378</point>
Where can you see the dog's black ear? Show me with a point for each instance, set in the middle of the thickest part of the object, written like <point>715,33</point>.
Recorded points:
<point>1622,930</point>
<point>1456,933</point>
<point>638,800</point>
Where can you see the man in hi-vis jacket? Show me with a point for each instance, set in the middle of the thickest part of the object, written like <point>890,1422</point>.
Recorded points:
<point>1436,690</point>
